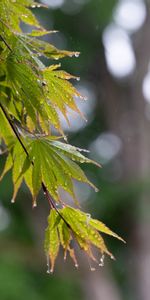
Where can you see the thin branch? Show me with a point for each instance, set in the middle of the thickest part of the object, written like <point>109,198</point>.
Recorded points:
<point>52,203</point>
<point>5,43</point>
<point>45,191</point>
<point>14,129</point>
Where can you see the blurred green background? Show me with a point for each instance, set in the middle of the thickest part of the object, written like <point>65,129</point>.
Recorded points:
<point>113,37</point>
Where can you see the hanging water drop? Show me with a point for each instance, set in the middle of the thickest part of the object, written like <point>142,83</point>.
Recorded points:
<point>96,190</point>
<point>112,257</point>
<point>76,265</point>
<point>34,204</point>
<point>12,200</point>
<point>101,264</point>
<point>48,265</point>
<point>76,54</point>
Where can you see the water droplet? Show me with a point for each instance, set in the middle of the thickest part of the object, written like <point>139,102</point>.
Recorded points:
<point>44,83</point>
<point>12,200</point>
<point>78,78</point>
<point>76,266</point>
<point>82,160</point>
<point>76,54</point>
<point>96,190</point>
<point>34,204</point>
<point>112,257</point>
<point>101,264</point>
<point>65,138</point>
<point>82,150</point>
<point>48,265</point>
<point>56,58</point>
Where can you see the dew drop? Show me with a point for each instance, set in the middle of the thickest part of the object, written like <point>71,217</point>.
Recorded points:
<point>34,204</point>
<point>12,200</point>
<point>44,83</point>
<point>48,265</point>
<point>76,266</point>
<point>82,160</point>
<point>65,138</point>
<point>78,78</point>
<point>112,257</point>
<point>101,264</point>
<point>76,54</point>
<point>96,190</point>
<point>82,150</point>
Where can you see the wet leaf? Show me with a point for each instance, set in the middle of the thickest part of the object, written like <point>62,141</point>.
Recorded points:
<point>52,242</point>
<point>73,224</point>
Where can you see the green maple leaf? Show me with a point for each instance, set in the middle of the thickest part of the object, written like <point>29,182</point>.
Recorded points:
<point>31,98</point>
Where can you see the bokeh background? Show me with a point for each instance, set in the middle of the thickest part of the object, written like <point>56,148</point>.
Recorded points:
<point>113,37</point>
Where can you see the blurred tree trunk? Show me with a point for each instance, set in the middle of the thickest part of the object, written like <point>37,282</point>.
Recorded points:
<point>125,108</point>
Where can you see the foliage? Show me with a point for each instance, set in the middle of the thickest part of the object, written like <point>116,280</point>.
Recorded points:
<point>32,97</point>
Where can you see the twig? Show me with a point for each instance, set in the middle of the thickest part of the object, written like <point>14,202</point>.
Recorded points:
<point>5,43</point>
<point>45,191</point>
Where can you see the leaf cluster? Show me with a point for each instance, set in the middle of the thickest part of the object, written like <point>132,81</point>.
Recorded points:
<point>32,97</point>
